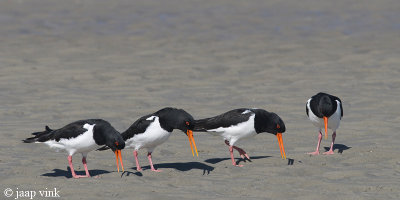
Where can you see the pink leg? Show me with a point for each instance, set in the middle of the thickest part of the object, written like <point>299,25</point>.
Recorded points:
<point>330,152</point>
<point>138,168</point>
<point>72,167</point>
<point>84,165</point>
<point>151,163</point>
<point>233,159</point>
<point>316,152</point>
<point>241,151</point>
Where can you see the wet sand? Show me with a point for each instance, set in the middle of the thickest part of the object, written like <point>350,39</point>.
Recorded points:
<point>61,61</point>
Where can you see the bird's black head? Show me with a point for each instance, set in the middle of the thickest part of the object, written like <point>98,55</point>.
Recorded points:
<point>268,122</point>
<point>114,140</point>
<point>172,118</point>
<point>271,123</point>
<point>105,134</point>
<point>185,122</point>
<point>325,106</point>
<point>278,126</point>
<point>116,143</point>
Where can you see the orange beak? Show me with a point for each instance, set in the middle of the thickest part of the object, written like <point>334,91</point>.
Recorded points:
<point>191,140</point>
<point>281,147</point>
<point>326,127</point>
<point>118,156</point>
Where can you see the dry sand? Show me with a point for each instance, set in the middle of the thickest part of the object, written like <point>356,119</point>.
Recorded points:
<point>62,61</point>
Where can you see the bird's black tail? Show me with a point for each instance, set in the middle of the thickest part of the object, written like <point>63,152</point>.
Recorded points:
<point>103,148</point>
<point>39,136</point>
<point>200,125</point>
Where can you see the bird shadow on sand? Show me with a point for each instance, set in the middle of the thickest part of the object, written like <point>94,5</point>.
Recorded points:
<point>339,147</point>
<point>67,173</point>
<point>178,166</point>
<point>217,160</point>
<point>128,173</point>
<point>186,166</point>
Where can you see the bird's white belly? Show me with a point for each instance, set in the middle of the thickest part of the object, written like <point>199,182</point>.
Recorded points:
<point>152,137</point>
<point>81,144</point>
<point>236,132</point>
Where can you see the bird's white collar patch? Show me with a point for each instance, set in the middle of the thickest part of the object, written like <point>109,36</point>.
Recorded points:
<point>245,112</point>
<point>151,118</point>
<point>88,126</point>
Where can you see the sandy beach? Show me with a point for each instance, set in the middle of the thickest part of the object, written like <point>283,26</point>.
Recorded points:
<point>62,61</point>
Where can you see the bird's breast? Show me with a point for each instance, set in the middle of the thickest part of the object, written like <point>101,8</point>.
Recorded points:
<point>153,136</point>
<point>242,129</point>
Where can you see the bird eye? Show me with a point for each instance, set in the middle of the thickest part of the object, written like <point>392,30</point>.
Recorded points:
<point>277,126</point>
<point>187,123</point>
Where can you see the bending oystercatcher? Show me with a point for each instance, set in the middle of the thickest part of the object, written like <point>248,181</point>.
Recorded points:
<point>242,123</point>
<point>324,111</point>
<point>154,129</point>
<point>82,137</point>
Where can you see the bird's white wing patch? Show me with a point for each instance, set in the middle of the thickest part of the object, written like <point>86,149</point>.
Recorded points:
<point>151,118</point>
<point>246,111</point>
<point>89,126</point>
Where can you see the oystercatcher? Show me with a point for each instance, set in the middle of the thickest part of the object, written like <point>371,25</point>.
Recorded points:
<point>241,123</point>
<point>154,129</point>
<point>324,111</point>
<point>82,137</point>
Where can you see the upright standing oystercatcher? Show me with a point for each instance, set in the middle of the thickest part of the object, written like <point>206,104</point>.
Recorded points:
<point>82,137</point>
<point>154,129</point>
<point>324,111</point>
<point>241,123</point>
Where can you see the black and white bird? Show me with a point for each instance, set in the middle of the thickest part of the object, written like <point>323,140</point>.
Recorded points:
<point>324,111</point>
<point>82,137</point>
<point>242,123</point>
<point>154,129</point>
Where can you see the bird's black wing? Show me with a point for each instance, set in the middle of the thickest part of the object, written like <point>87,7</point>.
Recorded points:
<point>139,126</point>
<point>227,119</point>
<point>71,130</point>
<point>42,136</point>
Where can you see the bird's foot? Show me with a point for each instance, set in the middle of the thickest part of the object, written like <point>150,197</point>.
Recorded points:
<point>314,153</point>
<point>81,176</point>
<point>242,153</point>
<point>138,169</point>
<point>236,165</point>
<point>330,152</point>
<point>156,170</point>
